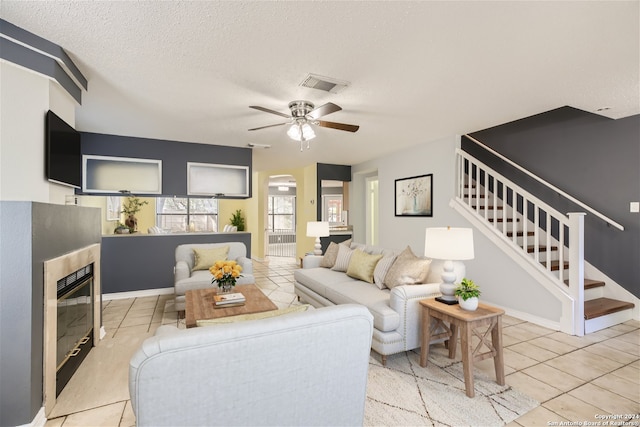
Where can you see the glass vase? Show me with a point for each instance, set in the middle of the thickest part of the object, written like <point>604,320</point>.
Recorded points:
<point>225,288</point>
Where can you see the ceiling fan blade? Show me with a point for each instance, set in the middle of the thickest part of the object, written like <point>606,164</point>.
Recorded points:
<point>270,126</point>
<point>339,126</point>
<point>266,110</point>
<point>323,110</point>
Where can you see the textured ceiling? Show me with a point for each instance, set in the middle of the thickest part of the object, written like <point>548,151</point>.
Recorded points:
<point>419,71</point>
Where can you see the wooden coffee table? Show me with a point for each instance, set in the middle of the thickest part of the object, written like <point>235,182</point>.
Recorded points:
<point>200,306</point>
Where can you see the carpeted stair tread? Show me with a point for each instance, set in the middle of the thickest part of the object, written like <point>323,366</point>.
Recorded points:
<point>602,306</point>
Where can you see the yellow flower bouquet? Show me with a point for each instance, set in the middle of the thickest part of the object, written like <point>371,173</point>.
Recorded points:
<point>225,274</point>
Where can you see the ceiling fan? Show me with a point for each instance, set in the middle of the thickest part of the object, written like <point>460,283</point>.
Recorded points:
<point>303,115</point>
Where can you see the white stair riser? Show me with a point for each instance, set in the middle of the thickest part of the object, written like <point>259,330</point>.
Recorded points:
<point>594,293</point>
<point>602,322</point>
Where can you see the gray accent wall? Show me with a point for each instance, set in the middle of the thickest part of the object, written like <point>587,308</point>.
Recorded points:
<point>31,233</point>
<point>174,156</point>
<point>146,261</point>
<point>593,158</point>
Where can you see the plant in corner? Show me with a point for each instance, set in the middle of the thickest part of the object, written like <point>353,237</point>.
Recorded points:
<point>130,208</point>
<point>468,293</point>
<point>237,220</point>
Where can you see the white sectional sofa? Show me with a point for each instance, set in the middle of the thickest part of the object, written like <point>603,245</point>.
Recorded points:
<point>396,311</point>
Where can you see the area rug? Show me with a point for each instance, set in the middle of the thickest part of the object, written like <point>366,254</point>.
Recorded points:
<point>403,393</point>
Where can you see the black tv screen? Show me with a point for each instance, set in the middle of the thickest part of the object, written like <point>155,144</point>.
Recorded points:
<point>63,153</point>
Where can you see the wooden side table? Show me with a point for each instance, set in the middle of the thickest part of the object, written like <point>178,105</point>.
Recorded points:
<point>435,313</point>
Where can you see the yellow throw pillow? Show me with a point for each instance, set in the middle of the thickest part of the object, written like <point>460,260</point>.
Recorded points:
<point>205,258</point>
<point>362,265</point>
<point>253,316</point>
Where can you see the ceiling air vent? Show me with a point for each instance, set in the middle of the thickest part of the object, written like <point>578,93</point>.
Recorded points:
<point>326,84</point>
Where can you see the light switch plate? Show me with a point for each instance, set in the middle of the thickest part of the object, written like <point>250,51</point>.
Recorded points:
<point>634,207</point>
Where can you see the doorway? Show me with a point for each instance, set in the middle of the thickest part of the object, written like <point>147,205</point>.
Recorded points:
<point>280,230</point>
<point>371,209</point>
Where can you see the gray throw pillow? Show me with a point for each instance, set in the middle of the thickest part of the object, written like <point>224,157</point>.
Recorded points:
<point>330,255</point>
<point>343,258</point>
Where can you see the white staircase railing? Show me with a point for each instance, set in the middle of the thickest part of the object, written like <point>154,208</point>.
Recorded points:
<point>550,240</point>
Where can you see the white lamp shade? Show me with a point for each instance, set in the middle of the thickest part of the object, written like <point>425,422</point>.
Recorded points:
<point>448,243</point>
<point>317,229</point>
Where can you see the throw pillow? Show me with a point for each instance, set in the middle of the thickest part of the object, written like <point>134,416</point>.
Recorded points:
<point>407,269</point>
<point>253,316</point>
<point>205,258</point>
<point>381,270</point>
<point>362,265</point>
<point>343,258</point>
<point>330,255</point>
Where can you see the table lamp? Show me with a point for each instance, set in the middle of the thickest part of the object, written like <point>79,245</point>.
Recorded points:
<point>317,229</point>
<point>451,245</point>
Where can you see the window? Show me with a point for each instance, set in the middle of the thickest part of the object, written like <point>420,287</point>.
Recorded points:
<point>282,213</point>
<point>183,214</point>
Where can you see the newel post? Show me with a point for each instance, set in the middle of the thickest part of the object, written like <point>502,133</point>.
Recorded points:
<point>576,269</point>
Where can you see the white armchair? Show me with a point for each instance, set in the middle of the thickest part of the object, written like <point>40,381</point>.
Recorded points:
<point>186,278</point>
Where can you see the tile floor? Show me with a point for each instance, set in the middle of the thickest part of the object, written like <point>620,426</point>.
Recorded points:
<point>574,379</point>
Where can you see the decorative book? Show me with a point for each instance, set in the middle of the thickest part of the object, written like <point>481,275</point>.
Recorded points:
<point>226,299</point>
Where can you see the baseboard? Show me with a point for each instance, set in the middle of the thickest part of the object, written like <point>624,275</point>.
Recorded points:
<point>540,321</point>
<point>137,294</point>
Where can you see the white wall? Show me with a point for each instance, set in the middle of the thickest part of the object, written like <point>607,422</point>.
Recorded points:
<point>503,282</point>
<point>25,97</point>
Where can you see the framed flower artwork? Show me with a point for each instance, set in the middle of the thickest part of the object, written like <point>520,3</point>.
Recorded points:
<point>414,196</point>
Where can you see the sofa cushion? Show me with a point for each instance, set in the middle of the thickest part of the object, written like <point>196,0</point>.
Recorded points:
<point>330,255</point>
<point>316,279</point>
<point>407,269</point>
<point>253,316</point>
<point>343,258</point>
<point>362,265</point>
<point>381,270</point>
<point>206,257</point>
<point>367,294</point>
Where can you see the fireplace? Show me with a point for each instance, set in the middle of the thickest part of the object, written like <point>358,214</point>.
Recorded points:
<point>74,336</point>
<point>72,316</point>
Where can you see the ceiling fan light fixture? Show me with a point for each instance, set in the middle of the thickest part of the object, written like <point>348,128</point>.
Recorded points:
<point>301,132</point>
<point>307,132</point>
<point>294,132</point>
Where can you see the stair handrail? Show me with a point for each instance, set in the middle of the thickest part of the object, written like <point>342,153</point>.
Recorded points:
<point>574,221</point>
<point>548,184</point>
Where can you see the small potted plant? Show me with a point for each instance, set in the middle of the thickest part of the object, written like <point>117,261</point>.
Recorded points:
<point>467,293</point>
<point>121,229</point>
<point>238,220</point>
